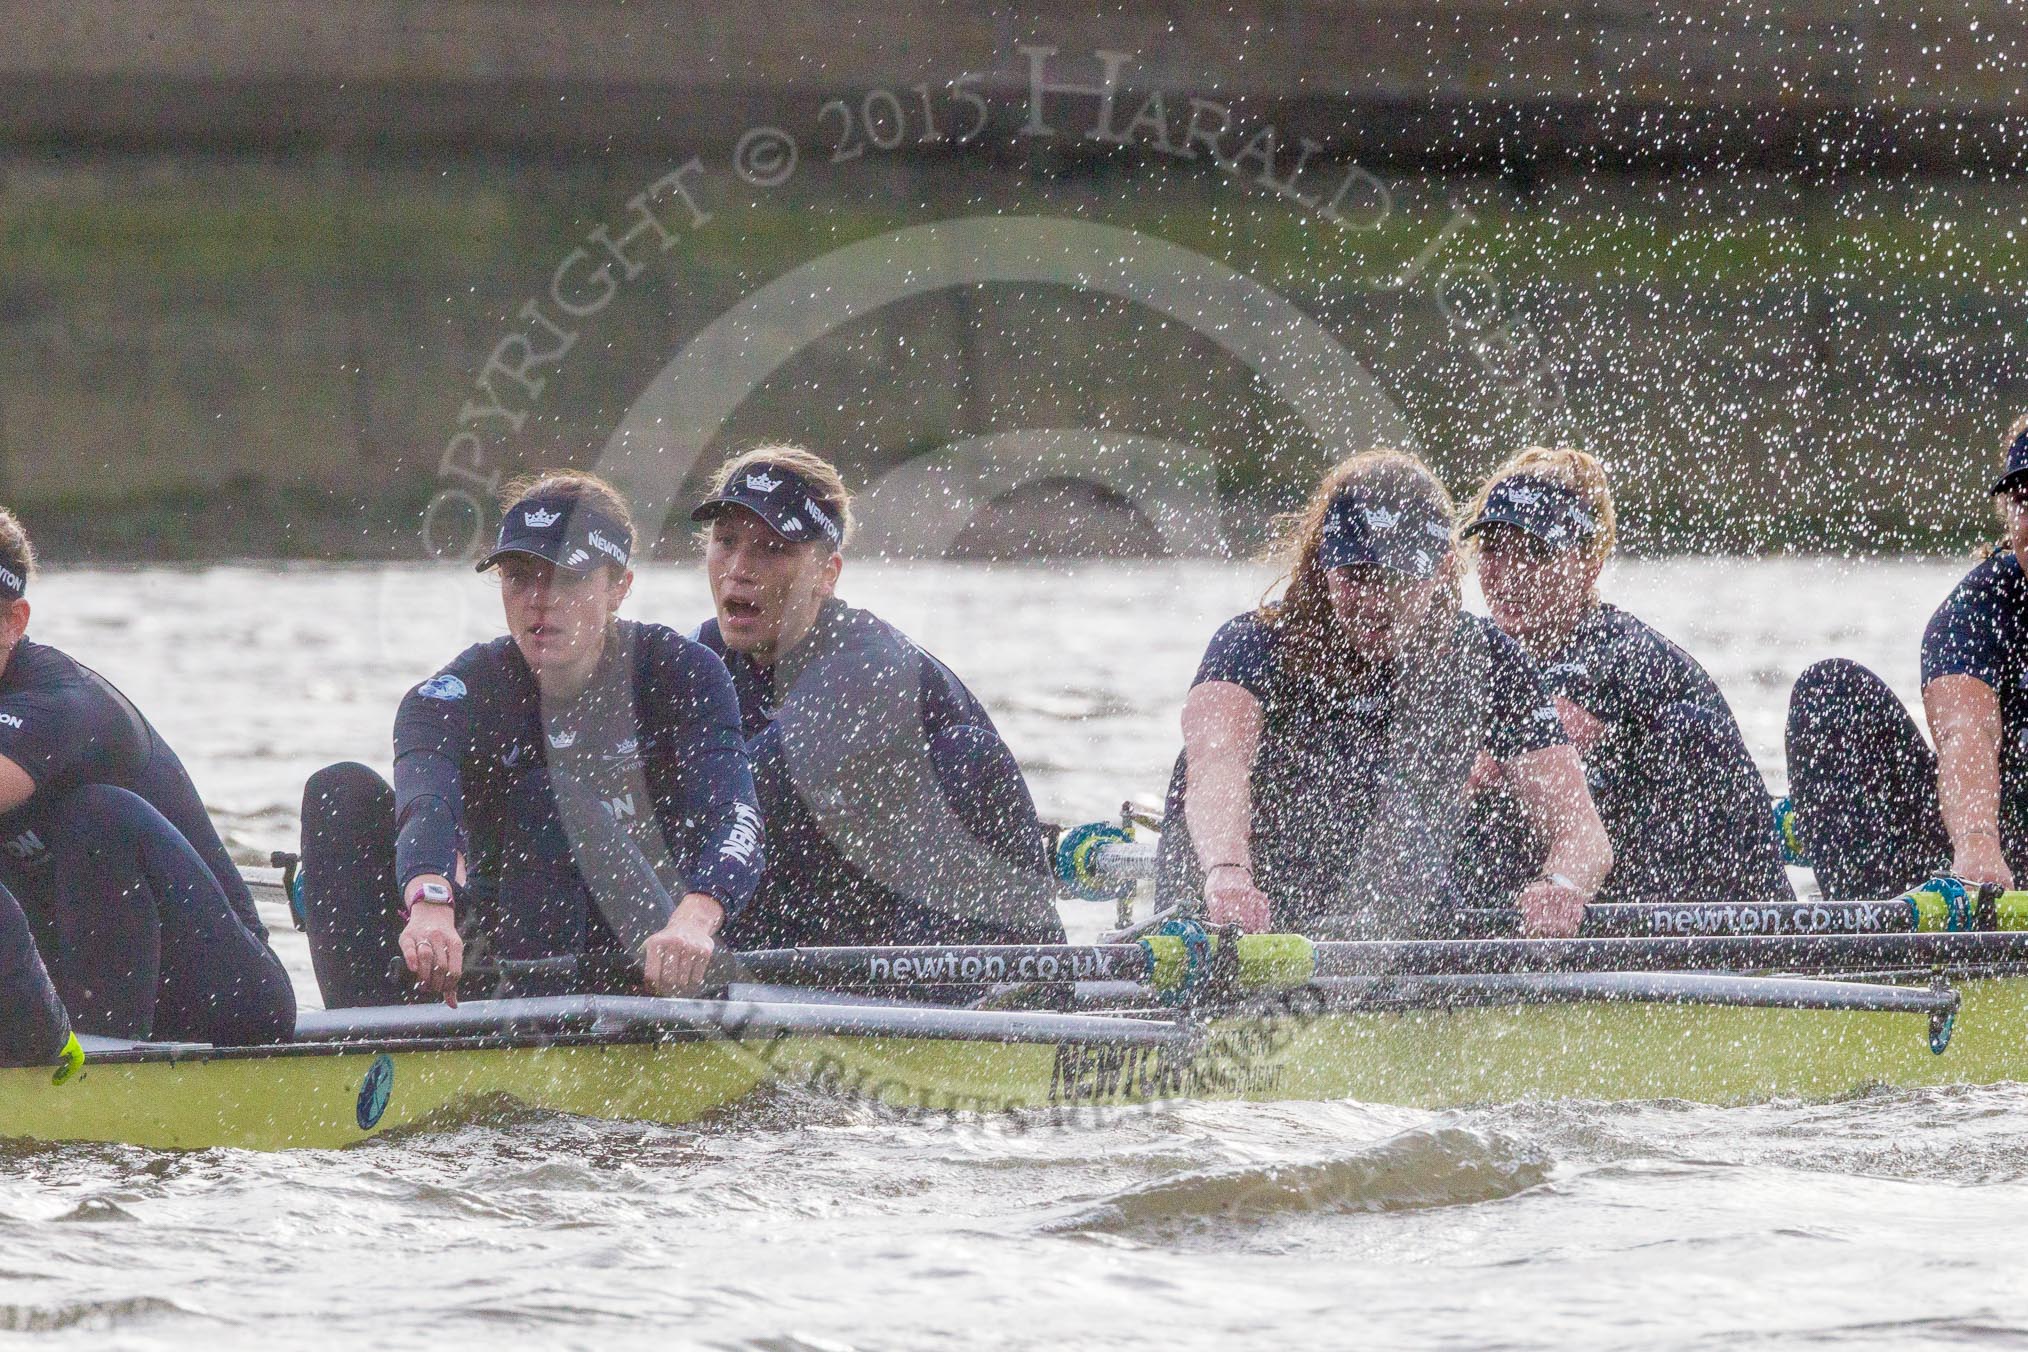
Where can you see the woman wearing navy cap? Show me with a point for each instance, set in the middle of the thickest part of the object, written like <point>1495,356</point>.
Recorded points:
<point>577,787</point>
<point>895,812</point>
<point>1876,809</point>
<point>1678,791</point>
<point>1329,735</point>
<point>144,927</point>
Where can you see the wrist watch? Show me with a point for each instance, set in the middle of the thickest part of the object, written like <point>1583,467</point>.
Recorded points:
<point>433,892</point>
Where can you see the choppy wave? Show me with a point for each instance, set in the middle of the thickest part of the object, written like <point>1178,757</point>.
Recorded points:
<point>87,1315</point>
<point>1425,1167</point>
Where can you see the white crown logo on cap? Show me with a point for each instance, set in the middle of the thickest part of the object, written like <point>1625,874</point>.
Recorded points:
<point>1379,518</point>
<point>1524,497</point>
<point>763,482</point>
<point>540,519</point>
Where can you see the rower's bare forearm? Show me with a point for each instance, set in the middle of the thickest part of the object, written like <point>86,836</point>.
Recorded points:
<point>1551,786</point>
<point>1964,717</point>
<point>1218,807</point>
<point>1968,791</point>
<point>1582,853</point>
<point>1221,732</point>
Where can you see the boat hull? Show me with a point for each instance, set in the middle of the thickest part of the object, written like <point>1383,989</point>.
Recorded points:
<point>683,1065</point>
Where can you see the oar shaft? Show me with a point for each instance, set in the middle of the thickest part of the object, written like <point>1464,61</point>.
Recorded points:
<point>1745,953</point>
<point>1690,988</point>
<point>1667,921</point>
<point>1059,963</point>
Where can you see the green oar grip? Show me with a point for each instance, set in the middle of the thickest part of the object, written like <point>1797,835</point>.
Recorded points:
<point>1169,961</point>
<point>69,1061</point>
<point>1937,912</point>
<point>1276,962</point>
<point>1267,962</point>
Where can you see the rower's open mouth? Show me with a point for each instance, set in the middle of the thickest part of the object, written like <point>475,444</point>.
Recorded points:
<point>741,610</point>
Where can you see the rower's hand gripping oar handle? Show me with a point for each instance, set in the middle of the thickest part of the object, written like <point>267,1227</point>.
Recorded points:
<point>567,972</point>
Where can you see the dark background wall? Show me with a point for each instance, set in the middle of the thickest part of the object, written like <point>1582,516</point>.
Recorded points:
<point>253,258</point>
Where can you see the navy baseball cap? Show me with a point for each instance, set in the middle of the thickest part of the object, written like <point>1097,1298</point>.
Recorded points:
<point>2016,472</point>
<point>1410,538</point>
<point>1553,513</point>
<point>780,497</point>
<point>566,531</point>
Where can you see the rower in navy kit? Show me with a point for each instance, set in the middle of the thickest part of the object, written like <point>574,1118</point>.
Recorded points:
<point>572,794</point>
<point>1877,811</point>
<point>895,813</point>
<point>142,926</point>
<point>1669,770</point>
<point>1329,734</point>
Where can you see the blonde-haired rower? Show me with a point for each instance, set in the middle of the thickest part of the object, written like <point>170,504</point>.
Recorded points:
<point>1680,795</point>
<point>1329,734</point>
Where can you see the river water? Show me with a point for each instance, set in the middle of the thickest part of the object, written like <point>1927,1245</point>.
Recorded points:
<point>794,1223</point>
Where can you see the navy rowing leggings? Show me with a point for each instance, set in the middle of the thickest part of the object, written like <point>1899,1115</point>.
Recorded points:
<point>1863,784</point>
<point>137,934</point>
<point>352,906</point>
<point>33,1025</point>
<point>1689,821</point>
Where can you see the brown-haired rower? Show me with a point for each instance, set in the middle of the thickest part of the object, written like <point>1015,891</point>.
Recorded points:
<point>1669,770</point>
<point>895,813</point>
<point>142,927</point>
<point>1878,811</point>
<point>1329,734</point>
<point>573,795</point>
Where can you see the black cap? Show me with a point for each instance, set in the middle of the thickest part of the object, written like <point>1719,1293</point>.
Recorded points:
<point>566,531</point>
<point>782,498</point>
<point>1553,513</point>
<point>2017,466</point>
<point>13,586</point>
<point>1410,538</point>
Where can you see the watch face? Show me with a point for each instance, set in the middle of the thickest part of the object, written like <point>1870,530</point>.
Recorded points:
<point>433,892</point>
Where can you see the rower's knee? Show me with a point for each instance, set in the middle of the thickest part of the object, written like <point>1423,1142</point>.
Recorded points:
<point>1832,684</point>
<point>346,792</point>
<point>100,818</point>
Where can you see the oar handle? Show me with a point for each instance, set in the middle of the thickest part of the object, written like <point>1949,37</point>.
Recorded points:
<point>570,971</point>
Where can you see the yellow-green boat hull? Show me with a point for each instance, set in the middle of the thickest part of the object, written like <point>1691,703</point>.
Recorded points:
<point>335,1095</point>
